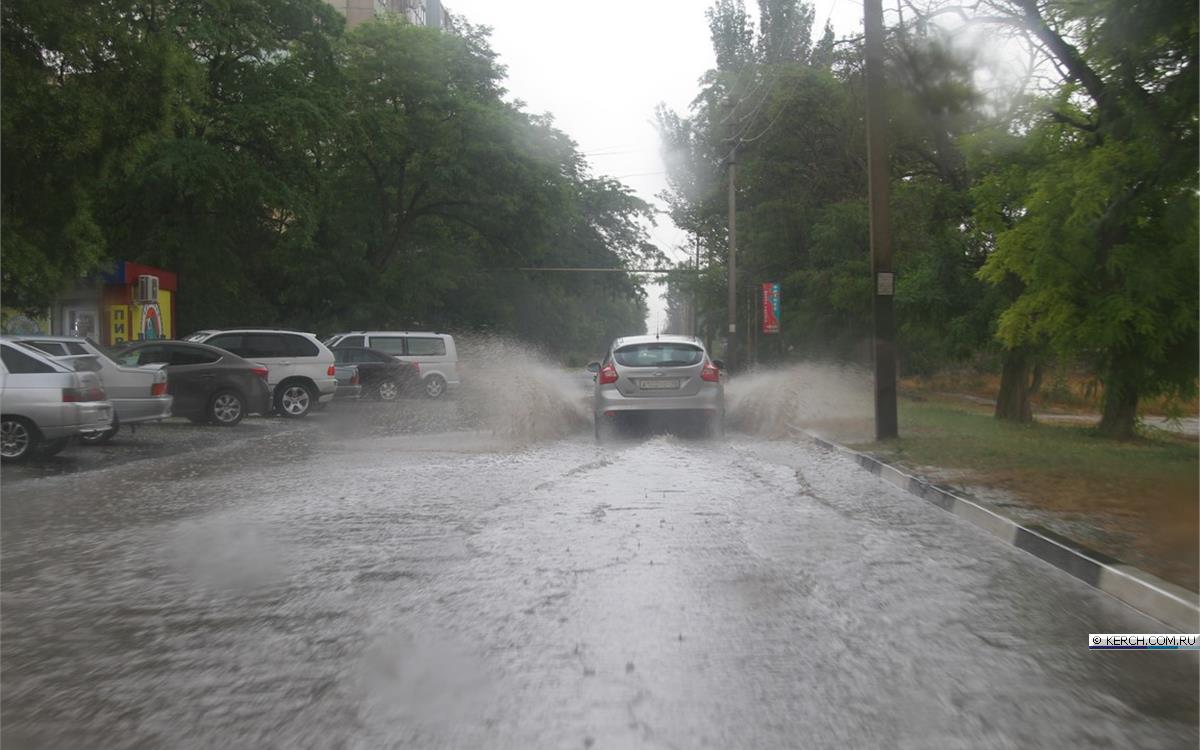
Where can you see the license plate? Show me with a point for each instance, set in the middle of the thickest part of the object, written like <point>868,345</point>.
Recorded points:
<point>668,384</point>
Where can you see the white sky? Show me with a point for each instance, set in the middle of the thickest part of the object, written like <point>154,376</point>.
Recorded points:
<point>601,68</point>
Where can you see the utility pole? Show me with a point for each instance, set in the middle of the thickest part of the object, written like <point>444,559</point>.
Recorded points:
<point>731,355</point>
<point>696,290</point>
<point>884,281</point>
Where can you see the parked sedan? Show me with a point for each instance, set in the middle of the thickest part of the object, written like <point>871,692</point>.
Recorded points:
<point>382,376</point>
<point>209,384</point>
<point>45,403</point>
<point>137,394</point>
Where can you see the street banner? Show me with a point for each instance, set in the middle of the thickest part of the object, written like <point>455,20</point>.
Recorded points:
<point>770,307</point>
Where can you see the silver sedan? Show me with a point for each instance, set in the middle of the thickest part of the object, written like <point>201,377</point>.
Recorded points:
<point>658,378</point>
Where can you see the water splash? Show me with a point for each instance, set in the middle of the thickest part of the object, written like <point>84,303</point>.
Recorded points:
<point>519,393</point>
<point>829,399</point>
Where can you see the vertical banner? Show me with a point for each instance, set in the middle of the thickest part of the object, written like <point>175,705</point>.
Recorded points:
<point>770,307</point>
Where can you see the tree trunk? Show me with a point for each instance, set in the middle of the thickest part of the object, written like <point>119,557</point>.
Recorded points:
<point>1017,385</point>
<point>1119,415</point>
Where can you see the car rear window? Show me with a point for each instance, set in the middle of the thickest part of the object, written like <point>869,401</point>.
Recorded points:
<point>299,346</point>
<point>19,363</point>
<point>188,356</point>
<point>426,347</point>
<point>351,341</point>
<point>53,348</point>
<point>659,354</point>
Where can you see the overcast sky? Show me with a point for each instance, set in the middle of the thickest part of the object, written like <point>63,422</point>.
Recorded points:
<point>601,69</point>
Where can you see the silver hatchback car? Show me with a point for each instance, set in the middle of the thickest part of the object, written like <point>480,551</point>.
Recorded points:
<point>138,394</point>
<point>43,404</point>
<point>664,377</point>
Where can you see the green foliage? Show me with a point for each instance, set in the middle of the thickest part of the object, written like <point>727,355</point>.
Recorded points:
<point>295,174</point>
<point>1096,216</point>
<point>802,214</point>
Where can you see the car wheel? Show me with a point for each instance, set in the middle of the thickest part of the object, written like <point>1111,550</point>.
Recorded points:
<point>100,438</point>
<point>294,400</point>
<point>435,386</point>
<point>49,448</point>
<point>18,438</point>
<point>226,408</point>
<point>388,390</point>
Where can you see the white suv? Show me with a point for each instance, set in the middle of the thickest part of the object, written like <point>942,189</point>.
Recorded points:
<point>434,353</point>
<point>300,369</point>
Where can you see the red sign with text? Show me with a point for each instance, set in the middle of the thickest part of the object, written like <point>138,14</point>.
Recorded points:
<point>770,307</point>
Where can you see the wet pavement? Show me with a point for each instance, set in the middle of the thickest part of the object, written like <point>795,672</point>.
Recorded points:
<point>366,580</point>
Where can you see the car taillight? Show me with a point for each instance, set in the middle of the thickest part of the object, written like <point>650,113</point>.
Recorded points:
<point>354,378</point>
<point>261,372</point>
<point>710,373</point>
<point>417,368</point>
<point>76,395</point>
<point>607,374</point>
<point>158,389</point>
<point>332,371</point>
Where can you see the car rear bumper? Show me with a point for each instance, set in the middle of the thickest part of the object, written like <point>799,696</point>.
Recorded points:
<point>707,400</point>
<point>86,417</point>
<point>259,399</point>
<point>327,387</point>
<point>134,410</point>
<point>347,392</point>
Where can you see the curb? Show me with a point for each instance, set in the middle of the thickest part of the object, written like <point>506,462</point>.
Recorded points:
<point>1171,604</point>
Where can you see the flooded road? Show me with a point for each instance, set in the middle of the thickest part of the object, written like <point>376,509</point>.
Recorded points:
<point>332,584</point>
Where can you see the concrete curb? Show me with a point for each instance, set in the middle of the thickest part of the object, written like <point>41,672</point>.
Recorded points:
<point>1174,605</point>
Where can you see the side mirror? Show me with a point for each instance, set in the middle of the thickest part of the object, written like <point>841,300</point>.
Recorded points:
<point>593,367</point>
<point>719,364</point>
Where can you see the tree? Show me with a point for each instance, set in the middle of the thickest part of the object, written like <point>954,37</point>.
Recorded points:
<point>1102,227</point>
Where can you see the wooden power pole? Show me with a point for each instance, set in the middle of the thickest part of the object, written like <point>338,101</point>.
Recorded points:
<point>884,352</point>
<point>731,355</point>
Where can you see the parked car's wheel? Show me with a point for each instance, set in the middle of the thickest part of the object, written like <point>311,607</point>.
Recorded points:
<point>18,438</point>
<point>49,448</point>
<point>226,408</point>
<point>294,400</point>
<point>435,386</point>
<point>100,438</point>
<point>388,390</point>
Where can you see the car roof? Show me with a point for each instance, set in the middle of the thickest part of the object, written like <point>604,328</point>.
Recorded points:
<point>390,333</point>
<point>669,338</point>
<point>39,337</point>
<point>252,330</point>
<point>172,342</point>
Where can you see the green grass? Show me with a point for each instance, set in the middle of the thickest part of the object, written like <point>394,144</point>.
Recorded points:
<point>950,435</point>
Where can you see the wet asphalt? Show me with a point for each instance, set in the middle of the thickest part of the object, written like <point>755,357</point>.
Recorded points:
<point>413,576</point>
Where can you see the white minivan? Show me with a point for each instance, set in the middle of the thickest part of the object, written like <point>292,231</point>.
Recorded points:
<point>433,353</point>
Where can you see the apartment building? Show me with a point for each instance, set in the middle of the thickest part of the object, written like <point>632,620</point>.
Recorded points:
<point>418,12</point>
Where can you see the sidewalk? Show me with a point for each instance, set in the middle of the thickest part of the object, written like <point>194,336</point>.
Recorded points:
<point>1186,426</point>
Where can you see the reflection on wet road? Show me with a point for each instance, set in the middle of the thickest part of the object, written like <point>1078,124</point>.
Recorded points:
<point>313,586</point>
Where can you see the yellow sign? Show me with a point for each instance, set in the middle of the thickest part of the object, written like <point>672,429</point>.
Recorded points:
<point>118,324</point>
